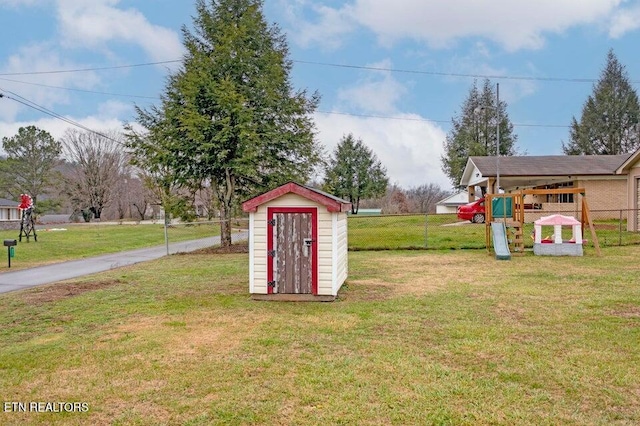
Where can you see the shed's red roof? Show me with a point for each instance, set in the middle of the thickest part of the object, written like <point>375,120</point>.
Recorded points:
<point>331,202</point>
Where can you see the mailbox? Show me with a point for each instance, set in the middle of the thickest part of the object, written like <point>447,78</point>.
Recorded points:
<point>9,244</point>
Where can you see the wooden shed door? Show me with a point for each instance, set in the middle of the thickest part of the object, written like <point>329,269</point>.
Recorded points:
<point>293,252</point>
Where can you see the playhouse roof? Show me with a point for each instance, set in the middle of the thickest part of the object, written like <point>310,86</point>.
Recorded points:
<point>557,219</point>
<point>331,202</point>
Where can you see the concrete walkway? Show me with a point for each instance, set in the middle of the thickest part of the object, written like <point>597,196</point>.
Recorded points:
<point>25,278</point>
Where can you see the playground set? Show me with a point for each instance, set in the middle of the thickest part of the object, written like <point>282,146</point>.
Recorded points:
<point>507,232</point>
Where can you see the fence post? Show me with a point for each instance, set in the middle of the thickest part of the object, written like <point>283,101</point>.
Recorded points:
<point>166,231</point>
<point>426,230</point>
<point>620,230</point>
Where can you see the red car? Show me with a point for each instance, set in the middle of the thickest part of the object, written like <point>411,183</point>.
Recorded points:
<point>473,211</point>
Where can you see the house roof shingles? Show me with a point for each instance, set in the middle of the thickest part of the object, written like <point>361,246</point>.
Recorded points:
<point>551,165</point>
<point>8,203</point>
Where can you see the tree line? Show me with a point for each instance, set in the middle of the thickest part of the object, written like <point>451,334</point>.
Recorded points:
<point>608,125</point>
<point>230,125</point>
<point>83,172</point>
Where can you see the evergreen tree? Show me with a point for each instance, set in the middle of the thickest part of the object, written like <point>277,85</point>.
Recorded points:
<point>354,172</point>
<point>230,118</point>
<point>609,121</point>
<point>32,156</point>
<point>474,131</point>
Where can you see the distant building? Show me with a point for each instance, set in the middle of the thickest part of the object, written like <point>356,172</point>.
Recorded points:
<point>450,204</point>
<point>9,214</point>
<point>369,212</point>
<point>611,182</point>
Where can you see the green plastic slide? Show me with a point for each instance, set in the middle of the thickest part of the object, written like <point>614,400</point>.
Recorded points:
<point>500,243</point>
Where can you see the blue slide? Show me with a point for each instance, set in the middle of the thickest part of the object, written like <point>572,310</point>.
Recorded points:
<point>500,243</point>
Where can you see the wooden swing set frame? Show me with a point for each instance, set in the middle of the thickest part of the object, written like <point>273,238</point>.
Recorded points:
<point>518,210</point>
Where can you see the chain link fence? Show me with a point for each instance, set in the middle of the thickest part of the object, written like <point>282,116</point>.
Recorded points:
<point>176,231</point>
<point>447,232</point>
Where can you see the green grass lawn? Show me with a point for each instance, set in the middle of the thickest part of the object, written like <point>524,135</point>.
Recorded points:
<point>413,231</point>
<point>440,232</point>
<point>415,338</point>
<point>444,232</point>
<point>79,241</point>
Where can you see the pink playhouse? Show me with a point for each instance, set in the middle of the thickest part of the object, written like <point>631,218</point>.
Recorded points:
<point>554,245</point>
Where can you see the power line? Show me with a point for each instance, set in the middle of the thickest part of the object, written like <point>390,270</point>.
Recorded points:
<point>386,117</point>
<point>383,117</point>
<point>115,67</point>
<point>335,65</point>
<point>575,80</point>
<point>80,90</point>
<point>40,108</point>
<point>451,74</point>
<point>428,120</point>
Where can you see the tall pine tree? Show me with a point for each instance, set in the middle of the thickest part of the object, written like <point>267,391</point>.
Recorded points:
<point>474,131</point>
<point>355,173</point>
<point>609,121</point>
<point>230,118</point>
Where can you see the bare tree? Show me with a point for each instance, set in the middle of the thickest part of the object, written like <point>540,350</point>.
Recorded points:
<point>142,197</point>
<point>423,199</point>
<point>206,202</point>
<point>98,162</point>
<point>395,201</point>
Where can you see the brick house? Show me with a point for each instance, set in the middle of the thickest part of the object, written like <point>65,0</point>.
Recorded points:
<point>611,182</point>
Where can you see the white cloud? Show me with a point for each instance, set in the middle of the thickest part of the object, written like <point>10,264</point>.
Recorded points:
<point>379,92</point>
<point>327,30</point>
<point>624,21</point>
<point>513,24</point>
<point>95,23</point>
<point>115,109</point>
<point>57,128</point>
<point>407,146</point>
<point>81,25</point>
<point>36,58</point>
<point>511,90</point>
<point>19,3</point>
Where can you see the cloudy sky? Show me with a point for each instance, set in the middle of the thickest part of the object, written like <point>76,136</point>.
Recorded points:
<point>393,73</point>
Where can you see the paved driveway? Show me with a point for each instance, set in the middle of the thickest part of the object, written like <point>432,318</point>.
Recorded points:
<point>25,278</point>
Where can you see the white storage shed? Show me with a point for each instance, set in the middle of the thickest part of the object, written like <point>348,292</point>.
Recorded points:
<point>297,244</point>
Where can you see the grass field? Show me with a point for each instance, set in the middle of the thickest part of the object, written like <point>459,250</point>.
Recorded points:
<point>440,232</point>
<point>79,241</point>
<point>415,338</point>
<point>412,231</point>
<point>446,232</point>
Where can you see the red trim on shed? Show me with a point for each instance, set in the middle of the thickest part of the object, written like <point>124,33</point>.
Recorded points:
<point>332,204</point>
<point>314,247</point>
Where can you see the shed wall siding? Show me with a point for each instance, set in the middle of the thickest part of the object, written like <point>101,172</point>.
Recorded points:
<point>342,257</point>
<point>251,252</point>
<point>324,244</point>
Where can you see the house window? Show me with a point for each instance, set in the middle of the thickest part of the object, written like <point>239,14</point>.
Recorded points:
<point>565,198</point>
<point>560,198</point>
